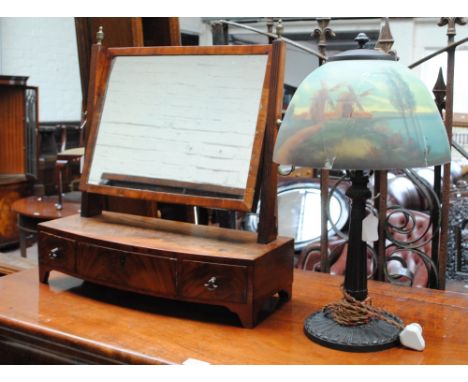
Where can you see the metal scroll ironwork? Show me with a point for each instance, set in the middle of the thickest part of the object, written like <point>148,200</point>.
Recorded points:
<point>397,249</point>
<point>385,40</point>
<point>391,250</point>
<point>322,33</point>
<point>416,236</point>
<point>372,271</point>
<point>279,32</point>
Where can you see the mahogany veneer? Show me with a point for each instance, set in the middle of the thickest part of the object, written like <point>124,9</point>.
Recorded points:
<point>170,259</point>
<point>12,188</point>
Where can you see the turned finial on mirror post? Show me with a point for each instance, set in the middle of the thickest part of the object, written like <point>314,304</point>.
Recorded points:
<point>100,36</point>
<point>279,28</point>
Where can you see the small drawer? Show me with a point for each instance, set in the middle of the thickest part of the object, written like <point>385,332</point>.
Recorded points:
<point>57,252</point>
<point>130,270</point>
<point>213,281</point>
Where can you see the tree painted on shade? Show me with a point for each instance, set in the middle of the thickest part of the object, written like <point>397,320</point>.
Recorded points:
<point>401,96</point>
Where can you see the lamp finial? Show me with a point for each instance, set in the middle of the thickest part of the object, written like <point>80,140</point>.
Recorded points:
<point>361,39</point>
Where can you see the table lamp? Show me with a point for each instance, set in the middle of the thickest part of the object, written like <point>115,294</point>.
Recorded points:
<point>360,111</point>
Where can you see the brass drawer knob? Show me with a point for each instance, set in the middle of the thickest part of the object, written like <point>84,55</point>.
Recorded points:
<point>55,253</point>
<point>211,284</point>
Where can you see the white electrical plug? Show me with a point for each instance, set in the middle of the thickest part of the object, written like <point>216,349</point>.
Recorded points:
<point>411,337</point>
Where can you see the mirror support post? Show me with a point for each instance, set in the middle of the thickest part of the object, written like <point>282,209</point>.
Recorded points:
<point>91,204</point>
<point>268,219</point>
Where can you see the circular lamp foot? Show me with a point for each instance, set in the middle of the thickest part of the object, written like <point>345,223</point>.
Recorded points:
<point>373,336</point>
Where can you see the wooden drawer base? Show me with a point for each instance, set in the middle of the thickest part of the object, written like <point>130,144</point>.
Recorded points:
<point>131,270</point>
<point>235,272</point>
<point>213,282</point>
<point>57,253</point>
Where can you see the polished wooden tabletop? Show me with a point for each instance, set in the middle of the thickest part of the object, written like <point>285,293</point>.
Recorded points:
<point>130,328</point>
<point>44,207</point>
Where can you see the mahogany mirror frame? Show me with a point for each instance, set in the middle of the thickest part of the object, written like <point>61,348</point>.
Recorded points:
<point>269,111</point>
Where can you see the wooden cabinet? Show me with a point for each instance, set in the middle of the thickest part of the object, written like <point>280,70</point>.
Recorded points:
<point>12,188</point>
<point>158,257</point>
<point>18,151</point>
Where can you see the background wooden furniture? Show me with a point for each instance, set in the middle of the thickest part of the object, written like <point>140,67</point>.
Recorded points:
<point>12,187</point>
<point>18,151</point>
<point>38,325</point>
<point>34,210</point>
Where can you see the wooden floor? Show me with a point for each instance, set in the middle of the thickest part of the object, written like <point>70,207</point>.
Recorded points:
<point>11,261</point>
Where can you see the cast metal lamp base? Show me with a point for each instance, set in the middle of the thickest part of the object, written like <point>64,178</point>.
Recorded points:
<point>373,331</point>
<point>373,336</point>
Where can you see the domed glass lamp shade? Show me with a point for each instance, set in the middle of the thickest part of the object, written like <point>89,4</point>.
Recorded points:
<point>369,112</point>
<point>360,111</point>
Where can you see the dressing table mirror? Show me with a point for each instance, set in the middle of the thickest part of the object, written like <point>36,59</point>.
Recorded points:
<point>187,125</point>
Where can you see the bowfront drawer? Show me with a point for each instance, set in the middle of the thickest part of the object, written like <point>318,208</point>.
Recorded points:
<point>213,282</point>
<point>57,252</point>
<point>154,274</point>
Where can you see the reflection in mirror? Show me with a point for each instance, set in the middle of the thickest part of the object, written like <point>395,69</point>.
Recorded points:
<point>179,124</point>
<point>299,213</point>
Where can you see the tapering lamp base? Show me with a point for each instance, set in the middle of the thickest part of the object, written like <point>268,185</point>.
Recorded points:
<point>374,336</point>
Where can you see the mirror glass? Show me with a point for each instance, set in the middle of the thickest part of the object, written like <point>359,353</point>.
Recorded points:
<point>299,209</point>
<point>299,212</point>
<point>179,123</point>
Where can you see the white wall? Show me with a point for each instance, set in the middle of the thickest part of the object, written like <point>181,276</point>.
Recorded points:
<point>427,37</point>
<point>45,50</point>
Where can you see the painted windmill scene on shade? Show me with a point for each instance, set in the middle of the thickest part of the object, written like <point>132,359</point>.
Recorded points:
<point>369,120</point>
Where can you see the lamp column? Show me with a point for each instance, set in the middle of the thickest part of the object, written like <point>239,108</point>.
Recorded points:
<point>355,282</point>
